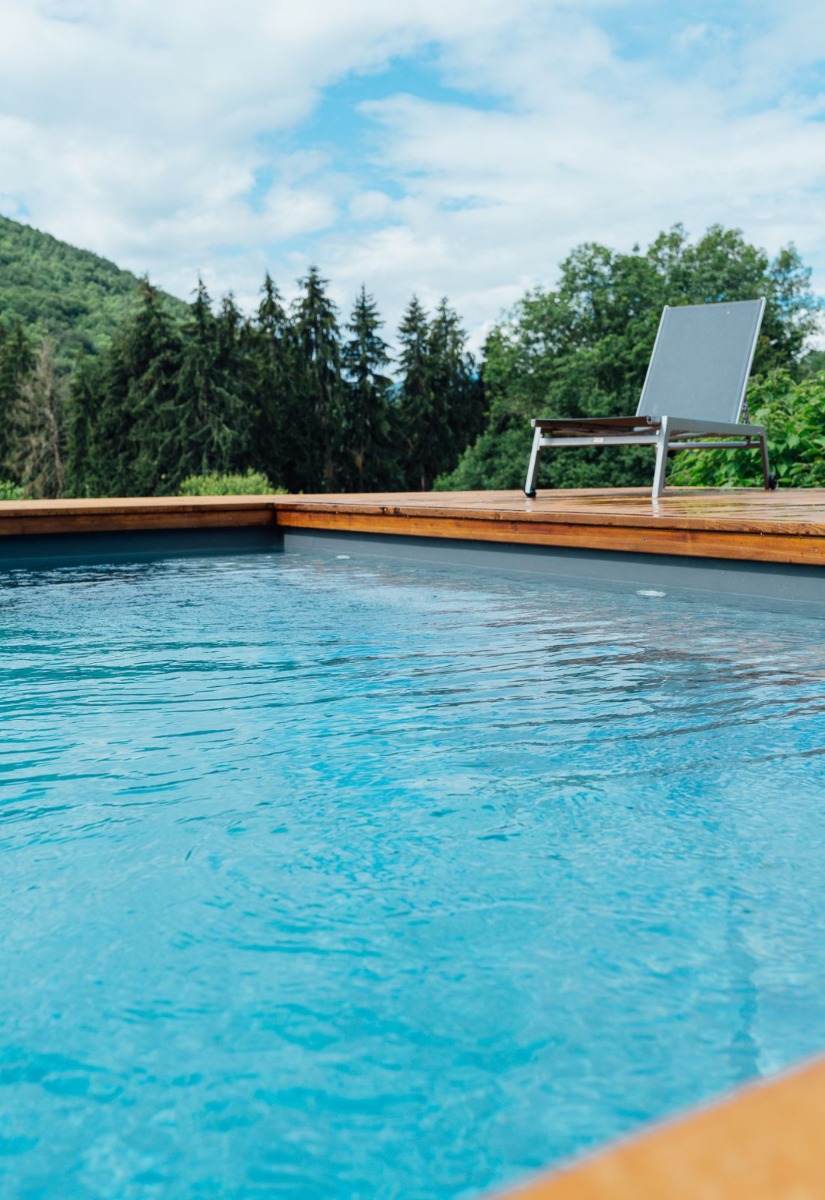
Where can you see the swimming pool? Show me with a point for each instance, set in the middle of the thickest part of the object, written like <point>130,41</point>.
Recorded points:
<point>324,878</point>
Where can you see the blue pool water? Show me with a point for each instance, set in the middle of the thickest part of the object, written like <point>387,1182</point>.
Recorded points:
<point>331,880</point>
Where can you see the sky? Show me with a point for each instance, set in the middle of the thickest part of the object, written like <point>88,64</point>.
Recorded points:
<point>456,148</point>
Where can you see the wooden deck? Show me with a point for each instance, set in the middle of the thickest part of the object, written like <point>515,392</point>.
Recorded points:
<point>32,518</point>
<point>763,1143</point>
<point>748,524</point>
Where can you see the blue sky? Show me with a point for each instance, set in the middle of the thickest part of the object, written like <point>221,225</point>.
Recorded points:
<point>442,147</point>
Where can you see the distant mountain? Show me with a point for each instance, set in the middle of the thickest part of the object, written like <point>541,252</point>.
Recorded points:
<point>53,289</point>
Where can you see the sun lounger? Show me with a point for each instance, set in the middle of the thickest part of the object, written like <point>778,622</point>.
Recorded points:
<point>693,395</point>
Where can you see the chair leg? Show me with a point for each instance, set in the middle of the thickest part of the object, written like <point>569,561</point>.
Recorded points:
<point>533,466</point>
<point>661,460</point>
<point>770,480</point>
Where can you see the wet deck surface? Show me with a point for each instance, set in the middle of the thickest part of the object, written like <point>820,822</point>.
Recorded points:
<point>747,524</point>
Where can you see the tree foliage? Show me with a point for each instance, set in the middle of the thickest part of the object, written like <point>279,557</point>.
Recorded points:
<point>276,433</point>
<point>38,431</point>
<point>286,394</point>
<point>201,392</point>
<point>318,377</point>
<point>441,401</point>
<point>793,413</point>
<point>367,459</point>
<point>120,411</point>
<point>76,299</point>
<point>17,359</point>
<point>210,417</point>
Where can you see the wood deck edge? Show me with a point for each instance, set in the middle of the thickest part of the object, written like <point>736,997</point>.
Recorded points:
<point>548,514</point>
<point>762,1143</point>
<point>778,547</point>
<point>35,518</point>
<point>746,540</point>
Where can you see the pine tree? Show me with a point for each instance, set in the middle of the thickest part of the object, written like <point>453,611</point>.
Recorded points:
<point>210,417</point>
<point>272,351</point>
<point>154,359</point>
<point>124,429</point>
<point>318,383</point>
<point>416,410</point>
<point>37,424</point>
<point>457,397</point>
<point>365,448</point>
<point>234,362</point>
<point>85,387</point>
<point>17,359</point>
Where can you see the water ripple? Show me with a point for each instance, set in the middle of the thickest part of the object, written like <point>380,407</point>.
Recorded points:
<point>331,880</point>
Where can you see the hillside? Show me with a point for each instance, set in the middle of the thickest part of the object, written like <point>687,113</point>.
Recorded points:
<point>74,296</point>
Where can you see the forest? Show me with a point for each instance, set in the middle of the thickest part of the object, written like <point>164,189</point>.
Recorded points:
<point>166,397</point>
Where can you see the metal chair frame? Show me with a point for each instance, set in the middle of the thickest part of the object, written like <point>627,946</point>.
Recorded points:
<point>668,434</point>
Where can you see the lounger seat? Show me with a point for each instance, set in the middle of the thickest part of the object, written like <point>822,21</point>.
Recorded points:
<point>693,395</point>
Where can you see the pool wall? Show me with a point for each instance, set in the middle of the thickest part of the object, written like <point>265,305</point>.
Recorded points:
<point>73,549</point>
<point>774,586</point>
<point>737,547</point>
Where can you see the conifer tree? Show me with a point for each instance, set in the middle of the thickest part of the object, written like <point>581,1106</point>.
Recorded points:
<point>235,340</point>
<point>119,409</point>
<point>153,359</point>
<point>273,449</point>
<point>458,414</point>
<point>107,469</point>
<point>37,424</point>
<point>418,431</point>
<point>365,447</point>
<point>210,427</point>
<point>318,383</point>
<point>84,389</point>
<point>16,361</point>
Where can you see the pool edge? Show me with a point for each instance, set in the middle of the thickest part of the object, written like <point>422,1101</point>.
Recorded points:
<point>762,1142</point>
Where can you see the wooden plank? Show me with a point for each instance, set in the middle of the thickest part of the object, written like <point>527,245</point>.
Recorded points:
<point>133,504</point>
<point>133,521</point>
<point>712,511</point>
<point>778,547</point>
<point>764,1143</point>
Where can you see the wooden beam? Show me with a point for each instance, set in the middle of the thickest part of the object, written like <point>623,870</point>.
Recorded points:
<point>35,518</point>
<point>778,547</point>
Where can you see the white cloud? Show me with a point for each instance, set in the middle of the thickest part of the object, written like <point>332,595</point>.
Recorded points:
<point>164,136</point>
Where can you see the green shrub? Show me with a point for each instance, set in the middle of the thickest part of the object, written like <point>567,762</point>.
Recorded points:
<point>10,491</point>
<point>793,412</point>
<point>253,483</point>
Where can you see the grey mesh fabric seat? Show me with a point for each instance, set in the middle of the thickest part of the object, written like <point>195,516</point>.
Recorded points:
<point>694,388</point>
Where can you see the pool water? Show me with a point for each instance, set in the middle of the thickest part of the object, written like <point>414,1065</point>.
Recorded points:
<point>330,880</point>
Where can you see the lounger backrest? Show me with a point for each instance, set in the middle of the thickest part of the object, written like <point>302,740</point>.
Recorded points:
<point>701,361</point>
